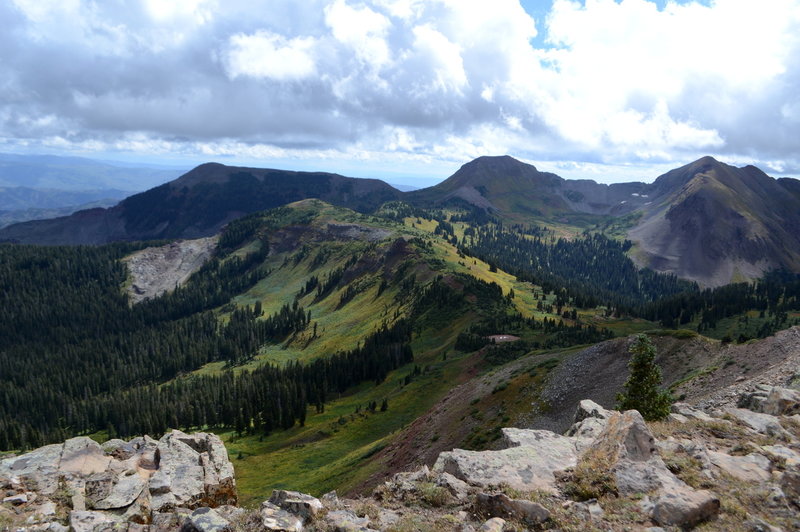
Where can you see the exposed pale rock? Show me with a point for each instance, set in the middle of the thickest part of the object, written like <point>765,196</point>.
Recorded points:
<point>522,468</point>
<point>20,498</point>
<point>193,470</point>
<point>763,423</point>
<point>500,505</point>
<point>771,400</point>
<point>206,519</point>
<point>690,412</point>
<point>677,418</point>
<point>629,449</point>
<point>106,491</point>
<point>38,469</point>
<point>82,457</point>
<point>457,487</point>
<point>296,503</point>
<point>684,507</point>
<point>495,524</point>
<point>588,408</point>
<point>347,521</point>
<point>751,468</point>
<point>87,521</point>
<point>276,519</point>
<point>789,457</point>
<point>590,420</point>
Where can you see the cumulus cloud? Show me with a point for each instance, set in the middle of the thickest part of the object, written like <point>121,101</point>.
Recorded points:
<point>595,81</point>
<point>266,55</point>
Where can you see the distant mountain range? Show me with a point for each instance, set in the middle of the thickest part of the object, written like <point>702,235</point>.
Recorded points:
<point>706,221</point>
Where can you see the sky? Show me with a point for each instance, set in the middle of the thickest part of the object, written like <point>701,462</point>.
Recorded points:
<point>405,90</point>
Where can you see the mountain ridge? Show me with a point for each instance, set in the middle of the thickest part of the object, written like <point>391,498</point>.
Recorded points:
<point>705,221</point>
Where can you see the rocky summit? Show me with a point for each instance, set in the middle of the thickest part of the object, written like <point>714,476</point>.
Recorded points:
<point>730,468</point>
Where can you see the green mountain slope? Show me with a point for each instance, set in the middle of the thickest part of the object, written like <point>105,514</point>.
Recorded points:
<point>200,203</point>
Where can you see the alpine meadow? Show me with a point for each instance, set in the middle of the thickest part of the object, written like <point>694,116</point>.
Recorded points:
<point>365,316</point>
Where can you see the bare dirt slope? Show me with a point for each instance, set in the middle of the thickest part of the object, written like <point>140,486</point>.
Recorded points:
<point>157,270</point>
<point>704,372</point>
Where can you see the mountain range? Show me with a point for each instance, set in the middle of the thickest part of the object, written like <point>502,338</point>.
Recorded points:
<point>707,221</point>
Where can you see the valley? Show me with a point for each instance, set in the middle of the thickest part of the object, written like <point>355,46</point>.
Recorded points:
<point>333,347</point>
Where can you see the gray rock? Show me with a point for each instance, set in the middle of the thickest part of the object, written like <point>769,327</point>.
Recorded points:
<point>106,491</point>
<point>495,524</point>
<point>206,520</point>
<point>524,468</point>
<point>330,499</point>
<point>300,504</point>
<point>347,521</point>
<point>628,445</point>
<point>16,500</point>
<point>193,470</point>
<point>684,507</point>
<point>275,519</point>
<point>771,400</point>
<point>763,423</point>
<point>82,457</point>
<point>789,457</point>
<point>38,469</point>
<point>751,468</point>
<point>677,418</point>
<point>457,488</point>
<point>690,412</point>
<point>500,505</point>
<point>588,408</point>
<point>87,521</point>
<point>529,438</point>
<point>759,525</point>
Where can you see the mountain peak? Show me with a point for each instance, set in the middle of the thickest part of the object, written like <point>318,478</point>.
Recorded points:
<point>500,163</point>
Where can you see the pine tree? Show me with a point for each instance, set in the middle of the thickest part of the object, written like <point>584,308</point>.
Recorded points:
<point>642,391</point>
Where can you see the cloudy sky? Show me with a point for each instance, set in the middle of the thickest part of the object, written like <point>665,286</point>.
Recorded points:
<point>405,90</point>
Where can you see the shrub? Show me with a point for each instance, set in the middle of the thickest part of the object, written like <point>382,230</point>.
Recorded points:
<point>642,390</point>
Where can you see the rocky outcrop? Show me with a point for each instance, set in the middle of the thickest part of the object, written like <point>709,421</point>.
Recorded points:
<point>121,482</point>
<point>610,471</point>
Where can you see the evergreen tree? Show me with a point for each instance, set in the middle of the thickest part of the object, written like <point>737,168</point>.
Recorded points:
<point>642,391</point>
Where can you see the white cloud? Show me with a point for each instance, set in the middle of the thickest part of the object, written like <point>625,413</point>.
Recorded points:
<point>361,28</point>
<point>266,55</point>
<point>616,81</point>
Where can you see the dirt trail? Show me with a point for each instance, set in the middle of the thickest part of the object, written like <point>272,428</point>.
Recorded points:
<point>159,269</point>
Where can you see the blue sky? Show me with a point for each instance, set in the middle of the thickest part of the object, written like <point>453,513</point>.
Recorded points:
<point>406,90</point>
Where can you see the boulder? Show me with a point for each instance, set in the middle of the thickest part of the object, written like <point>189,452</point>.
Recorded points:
<point>751,468</point>
<point>782,402</point>
<point>193,470</point>
<point>762,423</point>
<point>523,468</point>
<point>206,519</point>
<point>628,448</point>
<point>500,505</point>
<point>529,438</point>
<point>87,521</point>
<point>457,488</point>
<point>771,400</point>
<point>38,469</point>
<point>274,518</point>
<point>687,411</point>
<point>590,420</point>
<point>781,453</point>
<point>107,491</point>
<point>300,504</point>
<point>495,524</point>
<point>347,521</point>
<point>685,507</point>
<point>82,457</point>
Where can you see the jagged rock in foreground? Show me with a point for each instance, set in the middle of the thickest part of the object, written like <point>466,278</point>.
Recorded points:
<point>611,471</point>
<point>90,486</point>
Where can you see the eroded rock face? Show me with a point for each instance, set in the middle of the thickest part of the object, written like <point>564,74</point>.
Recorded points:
<point>524,468</point>
<point>124,482</point>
